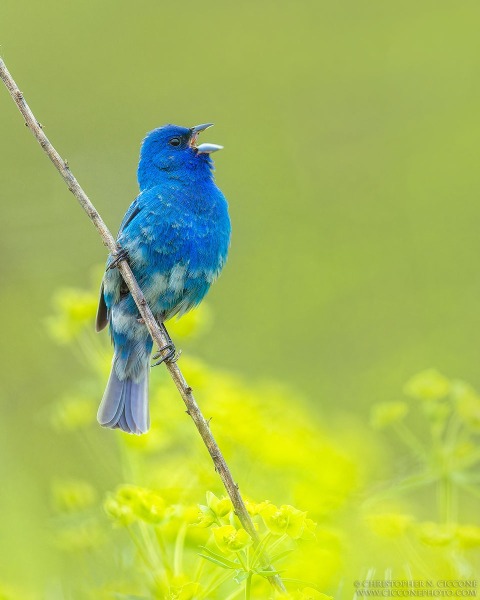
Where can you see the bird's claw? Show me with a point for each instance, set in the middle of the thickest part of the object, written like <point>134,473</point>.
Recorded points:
<point>171,357</point>
<point>120,255</point>
<point>176,356</point>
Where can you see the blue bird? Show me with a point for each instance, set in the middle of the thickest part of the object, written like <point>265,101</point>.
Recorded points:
<point>175,236</point>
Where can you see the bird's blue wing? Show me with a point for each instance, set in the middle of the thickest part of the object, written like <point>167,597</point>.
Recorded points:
<point>102,312</point>
<point>101,320</point>
<point>131,213</point>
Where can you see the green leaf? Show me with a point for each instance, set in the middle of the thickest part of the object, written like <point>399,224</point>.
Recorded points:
<point>233,564</point>
<point>281,555</point>
<point>220,563</point>
<point>241,576</point>
<point>268,573</point>
<point>260,549</point>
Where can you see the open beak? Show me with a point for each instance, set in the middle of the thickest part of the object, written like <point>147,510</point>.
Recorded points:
<point>203,148</point>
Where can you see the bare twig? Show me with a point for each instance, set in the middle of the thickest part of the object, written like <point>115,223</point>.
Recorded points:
<point>157,335</point>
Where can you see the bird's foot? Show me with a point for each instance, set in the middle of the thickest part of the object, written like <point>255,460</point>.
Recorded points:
<point>118,256</point>
<point>172,356</point>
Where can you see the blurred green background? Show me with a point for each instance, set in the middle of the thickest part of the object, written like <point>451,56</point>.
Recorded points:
<point>350,165</point>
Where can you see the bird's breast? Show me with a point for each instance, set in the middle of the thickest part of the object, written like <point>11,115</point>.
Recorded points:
<point>180,265</point>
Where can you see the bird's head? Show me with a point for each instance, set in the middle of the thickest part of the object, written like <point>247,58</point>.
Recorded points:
<point>172,151</point>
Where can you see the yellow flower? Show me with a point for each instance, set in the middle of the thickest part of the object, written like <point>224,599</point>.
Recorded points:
<point>149,507</point>
<point>220,507</point>
<point>229,539</point>
<point>255,508</point>
<point>386,413</point>
<point>122,514</point>
<point>132,502</point>
<point>205,517</point>
<point>190,514</point>
<point>185,592</point>
<point>427,385</point>
<point>389,525</point>
<point>435,534</point>
<point>146,504</point>
<point>285,519</point>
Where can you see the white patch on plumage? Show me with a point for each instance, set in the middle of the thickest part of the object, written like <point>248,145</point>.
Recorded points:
<point>125,322</point>
<point>210,276</point>
<point>136,253</point>
<point>157,283</point>
<point>176,281</point>
<point>147,233</point>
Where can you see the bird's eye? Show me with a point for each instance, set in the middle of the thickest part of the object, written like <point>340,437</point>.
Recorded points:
<point>175,141</point>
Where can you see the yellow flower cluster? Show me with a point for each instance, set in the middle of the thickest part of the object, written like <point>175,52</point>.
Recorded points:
<point>277,449</point>
<point>427,385</point>
<point>231,539</point>
<point>132,502</point>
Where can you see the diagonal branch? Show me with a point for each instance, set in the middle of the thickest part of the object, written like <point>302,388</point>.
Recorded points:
<point>157,335</point>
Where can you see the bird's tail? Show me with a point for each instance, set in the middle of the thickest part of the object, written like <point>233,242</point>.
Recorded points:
<point>125,403</point>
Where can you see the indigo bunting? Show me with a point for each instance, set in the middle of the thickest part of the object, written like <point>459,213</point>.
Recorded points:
<point>175,236</point>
